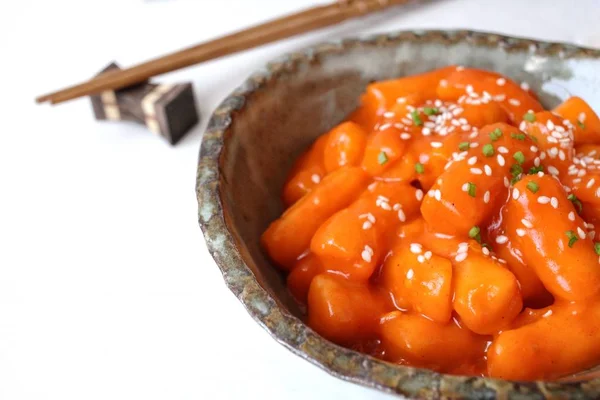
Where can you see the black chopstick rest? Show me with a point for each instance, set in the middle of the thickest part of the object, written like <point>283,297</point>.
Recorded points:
<point>168,110</point>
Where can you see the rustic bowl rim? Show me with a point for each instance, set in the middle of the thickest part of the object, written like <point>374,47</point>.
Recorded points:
<point>291,331</point>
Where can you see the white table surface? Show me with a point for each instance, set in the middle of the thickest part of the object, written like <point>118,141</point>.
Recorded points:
<point>106,288</point>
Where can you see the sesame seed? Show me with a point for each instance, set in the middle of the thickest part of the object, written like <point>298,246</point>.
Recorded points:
<point>476,171</point>
<point>426,132</point>
<point>515,193</point>
<point>561,155</point>
<point>502,150</point>
<point>533,148</point>
<point>419,194</point>
<point>438,195</point>
<point>401,215</point>
<point>389,114</point>
<point>460,257</point>
<point>367,254</point>
<point>371,218</point>
<point>420,259</point>
<point>572,216</point>
<point>428,255</point>
<point>436,145</point>
<point>524,85</point>
<point>551,139</point>
<point>501,239</point>
<point>521,232</point>
<point>485,251</point>
<point>550,125</point>
<point>547,314</point>
<point>405,136</point>
<point>598,192</point>
<point>514,102</point>
<point>486,197</point>
<point>543,200</point>
<point>416,248</point>
<point>410,273</point>
<point>423,158</point>
<point>506,182</point>
<point>473,145</point>
<point>315,178</point>
<point>526,223</point>
<point>469,88</point>
<point>552,170</point>
<point>488,170</point>
<point>500,160</point>
<point>553,152</point>
<point>582,117</point>
<point>536,161</point>
<point>590,183</point>
<point>581,233</point>
<point>500,81</point>
<point>472,160</point>
<point>367,225</point>
<point>465,187</point>
<point>397,206</point>
<point>554,202</point>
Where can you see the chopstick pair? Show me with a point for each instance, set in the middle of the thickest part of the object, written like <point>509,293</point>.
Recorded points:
<point>291,25</point>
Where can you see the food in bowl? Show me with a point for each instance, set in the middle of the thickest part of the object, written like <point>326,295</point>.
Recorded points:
<point>448,224</point>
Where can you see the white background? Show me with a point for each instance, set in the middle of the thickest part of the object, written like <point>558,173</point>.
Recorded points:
<point>106,288</point>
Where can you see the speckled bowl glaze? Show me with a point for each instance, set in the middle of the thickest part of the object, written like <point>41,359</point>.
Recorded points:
<point>257,132</point>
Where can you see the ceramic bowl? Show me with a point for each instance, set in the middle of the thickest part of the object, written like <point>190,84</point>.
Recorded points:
<point>257,132</point>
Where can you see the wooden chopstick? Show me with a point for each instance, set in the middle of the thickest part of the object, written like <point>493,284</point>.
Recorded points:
<point>305,21</point>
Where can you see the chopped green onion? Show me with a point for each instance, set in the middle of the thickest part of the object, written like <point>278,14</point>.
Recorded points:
<point>519,157</point>
<point>471,189</point>
<point>533,138</point>
<point>518,136</point>
<point>535,170</point>
<point>529,117</point>
<point>581,124</point>
<point>382,158</point>
<point>463,146</point>
<point>533,187</point>
<point>576,202</point>
<point>474,233</point>
<point>419,168</point>
<point>416,118</point>
<point>572,237</point>
<point>431,111</point>
<point>597,248</point>
<point>516,170</point>
<point>488,150</point>
<point>495,134</point>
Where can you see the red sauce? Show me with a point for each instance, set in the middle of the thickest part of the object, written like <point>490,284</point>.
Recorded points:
<point>449,224</point>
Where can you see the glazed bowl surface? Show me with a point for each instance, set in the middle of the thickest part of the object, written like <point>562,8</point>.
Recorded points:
<point>257,132</point>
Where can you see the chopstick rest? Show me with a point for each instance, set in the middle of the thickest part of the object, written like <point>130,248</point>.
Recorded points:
<point>168,110</point>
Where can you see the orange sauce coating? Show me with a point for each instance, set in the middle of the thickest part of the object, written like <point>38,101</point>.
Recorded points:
<point>449,224</point>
